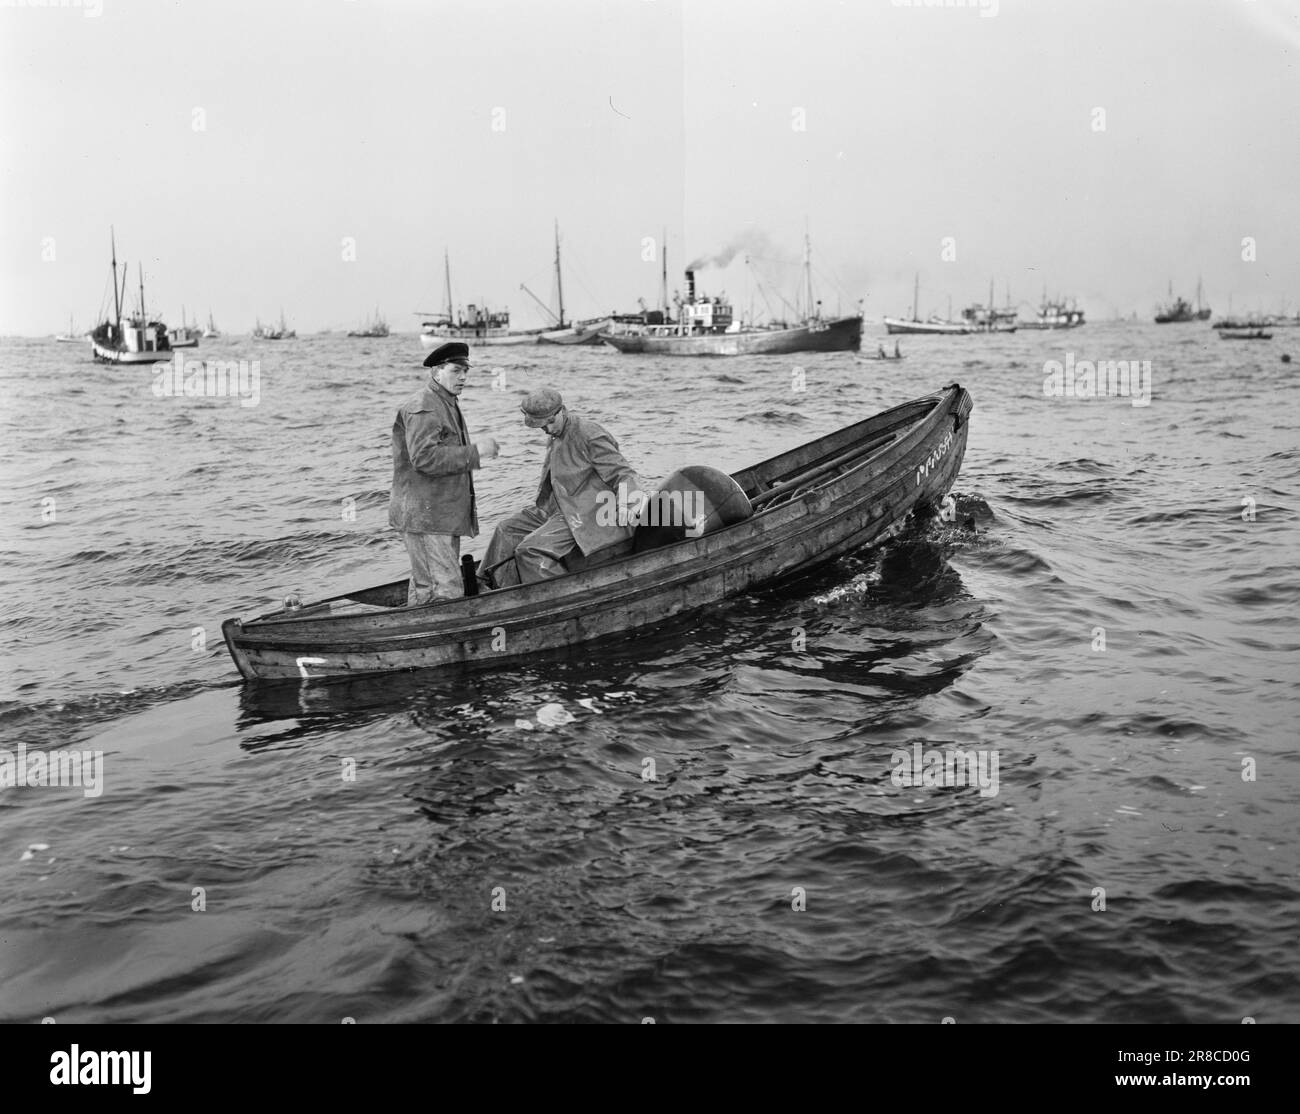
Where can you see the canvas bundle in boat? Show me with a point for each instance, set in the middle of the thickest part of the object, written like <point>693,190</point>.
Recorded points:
<point>688,496</point>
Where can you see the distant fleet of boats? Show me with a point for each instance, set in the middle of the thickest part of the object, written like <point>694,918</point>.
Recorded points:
<point>273,332</point>
<point>977,318</point>
<point>700,325</point>
<point>375,327</point>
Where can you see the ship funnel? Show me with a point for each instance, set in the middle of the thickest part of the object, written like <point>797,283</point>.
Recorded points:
<point>690,287</point>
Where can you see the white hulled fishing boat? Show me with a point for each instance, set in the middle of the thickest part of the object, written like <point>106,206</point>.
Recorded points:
<point>129,340</point>
<point>933,325</point>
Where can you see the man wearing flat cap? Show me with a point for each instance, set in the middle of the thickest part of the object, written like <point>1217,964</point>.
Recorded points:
<point>432,503</point>
<point>583,467</point>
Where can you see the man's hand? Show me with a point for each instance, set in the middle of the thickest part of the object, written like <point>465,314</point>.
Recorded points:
<point>636,507</point>
<point>487,448</point>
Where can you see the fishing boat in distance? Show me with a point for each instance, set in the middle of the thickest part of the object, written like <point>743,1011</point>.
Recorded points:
<point>589,333</point>
<point>566,332</point>
<point>73,335</point>
<point>481,326</point>
<point>990,319</point>
<point>187,336</point>
<point>1202,311</point>
<point>635,324</point>
<point>708,327</point>
<point>1244,334</point>
<point>211,331</point>
<point>376,327</point>
<point>1058,313</point>
<point>935,325</point>
<point>129,340</point>
<point>786,515</point>
<point>477,325</point>
<point>273,332</point>
<point>1179,310</point>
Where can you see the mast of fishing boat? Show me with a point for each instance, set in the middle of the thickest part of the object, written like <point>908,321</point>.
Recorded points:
<point>916,294</point>
<point>663,274</point>
<point>807,271</point>
<point>446,264</point>
<point>117,302</point>
<point>144,317</point>
<point>559,284</point>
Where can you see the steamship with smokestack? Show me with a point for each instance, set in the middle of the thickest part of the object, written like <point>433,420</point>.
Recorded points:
<point>709,327</point>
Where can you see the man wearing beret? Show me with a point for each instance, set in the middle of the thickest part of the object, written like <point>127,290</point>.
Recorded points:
<point>582,465</point>
<point>432,502</point>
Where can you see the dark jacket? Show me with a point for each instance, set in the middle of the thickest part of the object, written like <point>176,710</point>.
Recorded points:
<point>582,466</point>
<point>433,491</point>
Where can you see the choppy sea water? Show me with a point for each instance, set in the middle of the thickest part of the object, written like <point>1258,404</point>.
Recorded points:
<point>1117,628</point>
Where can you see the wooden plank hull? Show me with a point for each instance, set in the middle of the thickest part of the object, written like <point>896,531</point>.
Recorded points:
<point>921,446</point>
<point>843,334</point>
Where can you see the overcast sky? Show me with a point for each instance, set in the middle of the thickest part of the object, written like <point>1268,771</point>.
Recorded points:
<point>239,147</point>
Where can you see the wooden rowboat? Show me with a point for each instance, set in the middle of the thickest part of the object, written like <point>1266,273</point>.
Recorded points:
<point>810,505</point>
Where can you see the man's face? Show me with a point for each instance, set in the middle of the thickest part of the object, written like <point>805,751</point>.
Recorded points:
<point>554,425</point>
<point>451,377</point>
